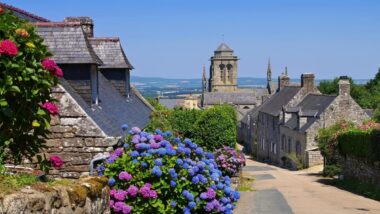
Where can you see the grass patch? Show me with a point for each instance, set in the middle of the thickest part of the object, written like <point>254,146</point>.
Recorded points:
<point>246,184</point>
<point>10,183</point>
<point>361,188</point>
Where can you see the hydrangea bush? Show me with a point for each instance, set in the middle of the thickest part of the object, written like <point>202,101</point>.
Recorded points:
<point>26,78</point>
<point>229,160</point>
<point>157,173</point>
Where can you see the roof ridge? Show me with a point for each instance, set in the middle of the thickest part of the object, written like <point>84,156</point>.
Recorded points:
<point>57,24</point>
<point>112,39</point>
<point>10,7</point>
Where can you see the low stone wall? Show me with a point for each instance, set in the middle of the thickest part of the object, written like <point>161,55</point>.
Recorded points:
<point>89,195</point>
<point>314,158</point>
<point>361,170</point>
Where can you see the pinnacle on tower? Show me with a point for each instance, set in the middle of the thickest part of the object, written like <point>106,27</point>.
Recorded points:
<point>269,77</point>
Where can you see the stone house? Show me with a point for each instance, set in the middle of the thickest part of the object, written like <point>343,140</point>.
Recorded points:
<point>94,96</point>
<point>301,123</point>
<point>269,117</point>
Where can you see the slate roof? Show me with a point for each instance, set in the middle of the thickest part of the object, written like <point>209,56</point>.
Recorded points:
<point>22,14</point>
<point>67,42</point>
<point>113,110</point>
<point>223,47</point>
<point>110,52</point>
<point>169,103</point>
<point>312,106</point>
<point>275,103</point>
<point>237,98</point>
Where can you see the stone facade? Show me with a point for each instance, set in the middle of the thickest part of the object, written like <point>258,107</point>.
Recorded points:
<point>90,195</point>
<point>223,70</point>
<point>361,170</point>
<point>75,137</point>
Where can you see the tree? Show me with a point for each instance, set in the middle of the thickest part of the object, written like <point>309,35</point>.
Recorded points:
<point>183,120</point>
<point>216,128</point>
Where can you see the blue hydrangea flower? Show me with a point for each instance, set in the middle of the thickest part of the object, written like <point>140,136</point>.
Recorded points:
<point>144,164</point>
<point>199,151</point>
<point>220,185</point>
<point>126,145</point>
<point>191,205</point>
<point>173,204</point>
<point>173,183</point>
<point>189,196</point>
<point>134,154</point>
<point>179,161</point>
<point>187,151</point>
<point>215,177</point>
<point>111,181</point>
<point>161,151</point>
<point>224,200</point>
<point>185,166</point>
<point>158,162</point>
<point>124,127</point>
<point>177,140</point>
<point>156,171</point>
<point>195,180</point>
<point>159,132</point>
<point>209,155</point>
<point>186,210</point>
<point>236,195</point>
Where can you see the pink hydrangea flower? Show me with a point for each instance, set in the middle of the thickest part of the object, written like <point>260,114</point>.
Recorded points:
<point>51,107</point>
<point>132,191</point>
<point>9,48</point>
<point>120,195</point>
<point>125,176</point>
<point>51,66</point>
<point>153,194</point>
<point>58,72</point>
<point>145,190</point>
<point>56,161</point>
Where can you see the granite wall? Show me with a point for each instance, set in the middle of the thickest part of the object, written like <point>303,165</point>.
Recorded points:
<point>361,170</point>
<point>75,137</point>
<point>89,195</point>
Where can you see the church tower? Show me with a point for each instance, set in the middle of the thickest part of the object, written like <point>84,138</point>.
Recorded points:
<point>269,78</point>
<point>223,70</point>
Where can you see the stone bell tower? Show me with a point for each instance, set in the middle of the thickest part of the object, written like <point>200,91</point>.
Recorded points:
<point>223,70</point>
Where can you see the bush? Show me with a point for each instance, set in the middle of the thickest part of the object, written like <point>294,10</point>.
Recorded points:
<point>216,128</point>
<point>183,120</point>
<point>332,170</point>
<point>154,173</point>
<point>26,79</point>
<point>363,144</point>
<point>229,161</point>
<point>291,161</point>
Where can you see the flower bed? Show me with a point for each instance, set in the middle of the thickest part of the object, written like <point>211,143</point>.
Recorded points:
<point>229,160</point>
<point>156,173</point>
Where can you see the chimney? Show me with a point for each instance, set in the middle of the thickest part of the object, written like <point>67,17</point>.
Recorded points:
<point>307,82</point>
<point>86,22</point>
<point>283,80</point>
<point>344,86</point>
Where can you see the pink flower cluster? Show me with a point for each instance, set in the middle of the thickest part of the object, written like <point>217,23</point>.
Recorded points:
<point>125,176</point>
<point>229,161</point>
<point>56,161</point>
<point>120,207</point>
<point>8,48</point>
<point>147,192</point>
<point>51,107</point>
<point>51,66</point>
<point>369,125</point>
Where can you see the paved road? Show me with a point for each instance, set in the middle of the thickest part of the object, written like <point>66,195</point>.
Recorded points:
<point>282,191</point>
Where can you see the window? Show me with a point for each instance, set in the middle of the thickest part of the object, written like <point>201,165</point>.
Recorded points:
<point>289,145</point>
<point>298,148</point>
<point>275,148</point>
<point>283,142</point>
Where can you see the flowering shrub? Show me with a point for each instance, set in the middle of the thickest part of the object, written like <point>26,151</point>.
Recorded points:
<point>156,173</point>
<point>26,79</point>
<point>229,161</point>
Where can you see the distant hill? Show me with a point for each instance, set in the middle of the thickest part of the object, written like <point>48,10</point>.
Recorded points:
<point>152,86</point>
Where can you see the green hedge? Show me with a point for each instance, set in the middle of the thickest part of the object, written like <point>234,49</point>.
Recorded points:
<point>361,144</point>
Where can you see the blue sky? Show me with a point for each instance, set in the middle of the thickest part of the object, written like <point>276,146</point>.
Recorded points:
<point>174,38</point>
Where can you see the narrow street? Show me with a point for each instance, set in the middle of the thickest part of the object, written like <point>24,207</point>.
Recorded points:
<point>278,190</point>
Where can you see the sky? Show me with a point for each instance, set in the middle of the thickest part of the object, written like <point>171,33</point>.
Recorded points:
<point>175,38</point>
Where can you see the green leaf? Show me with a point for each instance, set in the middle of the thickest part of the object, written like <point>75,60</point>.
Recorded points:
<point>35,123</point>
<point>15,88</point>
<point>3,103</point>
<point>41,112</point>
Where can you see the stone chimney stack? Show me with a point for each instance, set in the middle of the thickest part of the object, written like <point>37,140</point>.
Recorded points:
<point>344,86</point>
<point>87,24</point>
<point>283,80</point>
<point>307,82</point>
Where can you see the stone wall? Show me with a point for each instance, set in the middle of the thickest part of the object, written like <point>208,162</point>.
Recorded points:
<point>90,195</point>
<point>75,137</point>
<point>361,170</point>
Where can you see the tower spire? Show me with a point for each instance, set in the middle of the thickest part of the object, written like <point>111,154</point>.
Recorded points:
<point>204,86</point>
<point>286,70</point>
<point>269,77</point>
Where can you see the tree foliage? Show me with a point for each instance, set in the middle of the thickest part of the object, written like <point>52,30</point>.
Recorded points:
<point>216,128</point>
